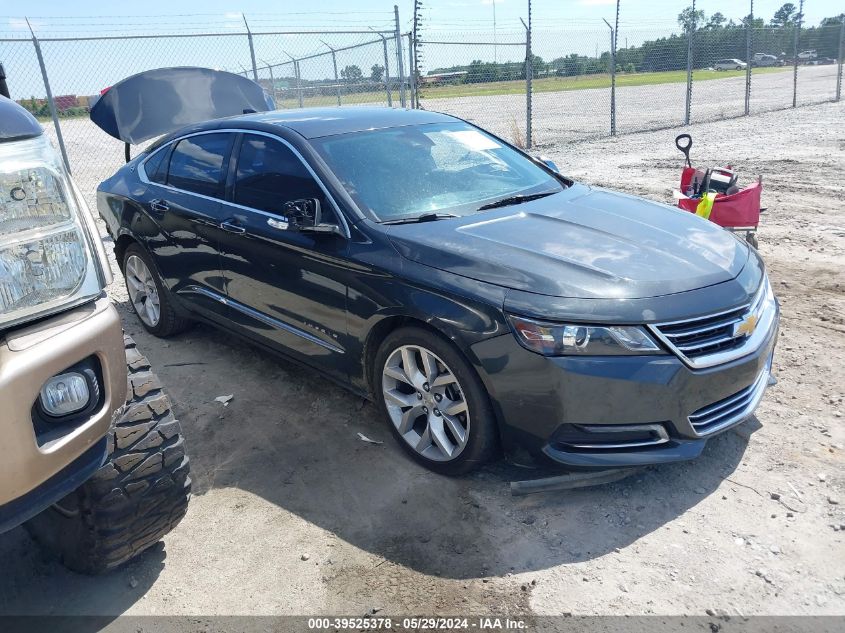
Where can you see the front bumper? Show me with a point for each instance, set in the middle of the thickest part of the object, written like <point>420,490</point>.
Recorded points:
<point>29,356</point>
<point>640,410</point>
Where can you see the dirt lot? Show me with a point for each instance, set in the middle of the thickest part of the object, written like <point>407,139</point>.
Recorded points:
<point>281,476</point>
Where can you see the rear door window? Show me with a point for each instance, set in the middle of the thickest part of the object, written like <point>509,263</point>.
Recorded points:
<point>269,174</point>
<point>197,164</point>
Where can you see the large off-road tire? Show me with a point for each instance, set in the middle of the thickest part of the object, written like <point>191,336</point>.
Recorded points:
<point>448,425</point>
<point>149,297</point>
<point>137,496</point>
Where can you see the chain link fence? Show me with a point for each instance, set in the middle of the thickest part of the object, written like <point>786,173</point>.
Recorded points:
<point>531,86</point>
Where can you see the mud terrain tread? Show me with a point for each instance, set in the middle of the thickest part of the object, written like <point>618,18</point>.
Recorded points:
<point>141,493</point>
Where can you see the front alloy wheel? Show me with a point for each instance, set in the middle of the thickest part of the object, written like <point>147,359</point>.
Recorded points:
<point>434,401</point>
<point>425,402</point>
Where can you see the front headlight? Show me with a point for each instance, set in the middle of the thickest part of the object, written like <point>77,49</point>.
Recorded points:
<point>46,261</point>
<point>563,339</point>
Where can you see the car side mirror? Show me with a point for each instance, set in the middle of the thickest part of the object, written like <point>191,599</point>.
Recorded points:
<point>548,163</point>
<point>305,215</point>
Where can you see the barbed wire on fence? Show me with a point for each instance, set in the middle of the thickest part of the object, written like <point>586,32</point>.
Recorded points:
<point>549,79</point>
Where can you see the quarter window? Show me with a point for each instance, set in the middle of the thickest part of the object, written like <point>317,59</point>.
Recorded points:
<point>155,167</point>
<point>269,174</point>
<point>197,164</point>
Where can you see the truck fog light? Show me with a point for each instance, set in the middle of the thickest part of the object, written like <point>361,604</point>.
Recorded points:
<point>65,394</point>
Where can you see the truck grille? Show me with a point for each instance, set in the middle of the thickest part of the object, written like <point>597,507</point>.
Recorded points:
<point>731,410</point>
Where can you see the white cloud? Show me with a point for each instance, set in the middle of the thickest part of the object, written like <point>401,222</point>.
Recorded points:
<point>18,24</point>
<point>596,3</point>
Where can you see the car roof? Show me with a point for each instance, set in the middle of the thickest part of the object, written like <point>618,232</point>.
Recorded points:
<point>316,122</point>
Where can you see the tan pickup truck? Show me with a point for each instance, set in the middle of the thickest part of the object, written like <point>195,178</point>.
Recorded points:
<point>91,458</point>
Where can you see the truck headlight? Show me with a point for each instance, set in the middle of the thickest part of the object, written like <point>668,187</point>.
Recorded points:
<point>562,339</point>
<point>46,257</point>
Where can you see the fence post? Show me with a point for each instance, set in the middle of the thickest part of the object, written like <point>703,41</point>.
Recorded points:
<point>251,49</point>
<point>298,81</point>
<point>50,101</point>
<point>748,59</point>
<point>690,31</point>
<point>797,29</point>
<point>613,82</point>
<point>386,72</point>
<point>612,79</point>
<point>841,56</point>
<point>334,65</point>
<point>399,61</point>
<point>336,78</point>
<point>529,74</point>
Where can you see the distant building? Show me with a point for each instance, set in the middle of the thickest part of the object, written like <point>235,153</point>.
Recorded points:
<point>66,102</point>
<point>456,77</point>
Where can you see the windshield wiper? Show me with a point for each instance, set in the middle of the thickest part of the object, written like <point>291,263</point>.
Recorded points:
<point>425,217</point>
<point>518,199</point>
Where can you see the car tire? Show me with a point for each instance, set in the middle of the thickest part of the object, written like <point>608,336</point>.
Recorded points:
<point>480,441</point>
<point>169,322</point>
<point>137,496</point>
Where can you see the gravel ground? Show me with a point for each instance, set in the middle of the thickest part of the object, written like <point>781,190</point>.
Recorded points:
<point>293,514</point>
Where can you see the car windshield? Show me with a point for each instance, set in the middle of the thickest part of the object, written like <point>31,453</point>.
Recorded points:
<point>430,170</point>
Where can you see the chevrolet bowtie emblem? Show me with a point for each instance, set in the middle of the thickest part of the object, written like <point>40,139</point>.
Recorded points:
<point>746,326</point>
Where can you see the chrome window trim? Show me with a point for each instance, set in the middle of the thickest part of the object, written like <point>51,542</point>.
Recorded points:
<point>142,175</point>
<point>261,316</point>
<point>750,345</point>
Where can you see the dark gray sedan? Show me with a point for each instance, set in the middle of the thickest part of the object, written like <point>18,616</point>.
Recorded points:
<point>483,301</point>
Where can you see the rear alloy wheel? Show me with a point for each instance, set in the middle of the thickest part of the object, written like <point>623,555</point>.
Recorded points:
<point>434,401</point>
<point>142,291</point>
<point>149,297</point>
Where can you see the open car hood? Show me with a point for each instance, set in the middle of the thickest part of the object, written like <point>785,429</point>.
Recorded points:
<point>155,102</point>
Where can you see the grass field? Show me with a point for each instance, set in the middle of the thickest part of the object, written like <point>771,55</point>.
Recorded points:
<point>544,84</point>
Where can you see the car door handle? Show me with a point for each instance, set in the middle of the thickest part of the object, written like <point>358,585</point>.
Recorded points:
<point>160,205</point>
<point>232,227</point>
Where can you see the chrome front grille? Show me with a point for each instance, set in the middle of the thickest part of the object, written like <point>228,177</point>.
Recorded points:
<point>723,336</point>
<point>707,335</point>
<point>731,410</point>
